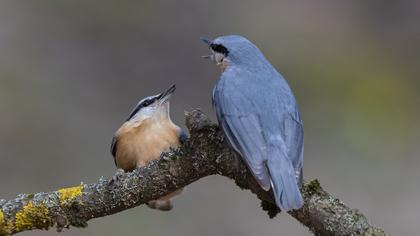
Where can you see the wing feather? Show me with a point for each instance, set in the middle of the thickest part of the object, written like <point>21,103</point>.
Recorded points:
<point>293,132</point>
<point>113,149</point>
<point>250,146</point>
<point>268,134</point>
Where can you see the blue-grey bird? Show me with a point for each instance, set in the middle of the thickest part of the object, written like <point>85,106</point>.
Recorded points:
<point>257,111</point>
<point>145,135</point>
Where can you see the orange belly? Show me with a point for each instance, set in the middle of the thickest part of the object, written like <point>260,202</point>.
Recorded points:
<point>137,144</point>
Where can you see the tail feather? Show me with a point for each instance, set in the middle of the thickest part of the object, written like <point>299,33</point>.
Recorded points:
<point>284,183</point>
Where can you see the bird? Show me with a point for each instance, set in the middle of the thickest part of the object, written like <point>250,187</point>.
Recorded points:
<point>258,113</point>
<point>144,136</point>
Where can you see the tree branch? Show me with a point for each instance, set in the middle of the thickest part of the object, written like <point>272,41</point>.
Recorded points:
<point>204,153</point>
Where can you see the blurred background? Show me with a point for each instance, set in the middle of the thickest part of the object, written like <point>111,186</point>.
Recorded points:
<point>71,71</point>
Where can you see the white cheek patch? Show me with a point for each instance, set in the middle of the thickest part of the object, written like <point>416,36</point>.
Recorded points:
<point>144,113</point>
<point>218,57</point>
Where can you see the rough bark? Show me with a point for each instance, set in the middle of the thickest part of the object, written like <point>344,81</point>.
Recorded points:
<point>204,153</point>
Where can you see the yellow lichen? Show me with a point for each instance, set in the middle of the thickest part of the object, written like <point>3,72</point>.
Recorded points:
<point>1,217</point>
<point>5,227</point>
<point>68,194</point>
<point>32,216</point>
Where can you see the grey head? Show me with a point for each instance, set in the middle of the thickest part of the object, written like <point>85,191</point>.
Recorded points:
<point>156,107</point>
<point>234,50</point>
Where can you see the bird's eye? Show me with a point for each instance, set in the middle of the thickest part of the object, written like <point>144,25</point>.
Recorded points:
<point>147,103</point>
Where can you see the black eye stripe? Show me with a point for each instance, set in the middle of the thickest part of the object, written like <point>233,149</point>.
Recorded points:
<point>148,102</point>
<point>219,48</point>
<point>141,105</point>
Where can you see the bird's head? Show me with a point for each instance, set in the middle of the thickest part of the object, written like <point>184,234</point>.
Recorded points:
<point>233,50</point>
<point>155,107</point>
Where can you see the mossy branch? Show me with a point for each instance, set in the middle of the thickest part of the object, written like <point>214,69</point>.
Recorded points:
<point>204,153</point>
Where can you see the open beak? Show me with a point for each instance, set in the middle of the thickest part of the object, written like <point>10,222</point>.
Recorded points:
<point>165,96</point>
<point>208,42</point>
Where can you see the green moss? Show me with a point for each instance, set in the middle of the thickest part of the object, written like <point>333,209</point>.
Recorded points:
<point>374,231</point>
<point>313,187</point>
<point>32,216</point>
<point>68,194</point>
<point>79,223</point>
<point>357,216</point>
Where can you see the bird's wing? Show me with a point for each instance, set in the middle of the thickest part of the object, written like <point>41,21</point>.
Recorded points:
<point>293,135</point>
<point>266,131</point>
<point>285,156</point>
<point>114,148</point>
<point>243,131</point>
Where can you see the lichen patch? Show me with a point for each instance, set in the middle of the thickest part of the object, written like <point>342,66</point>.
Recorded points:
<point>1,217</point>
<point>5,226</point>
<point>32,216</point>
<point>68,194</point>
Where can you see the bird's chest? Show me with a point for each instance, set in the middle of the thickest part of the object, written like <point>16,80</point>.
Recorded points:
<point>146,142</point>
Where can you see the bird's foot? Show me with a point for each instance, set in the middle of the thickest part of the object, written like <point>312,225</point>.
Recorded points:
<point>163,205</point>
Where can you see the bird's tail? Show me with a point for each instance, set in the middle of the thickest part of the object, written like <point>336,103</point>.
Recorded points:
<point>283,182</point>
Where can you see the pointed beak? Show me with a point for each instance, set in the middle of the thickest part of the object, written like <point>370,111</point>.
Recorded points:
<point>206,41</point>
<point>209,43</point>
<point>210,57</point>
<point>165,96</point>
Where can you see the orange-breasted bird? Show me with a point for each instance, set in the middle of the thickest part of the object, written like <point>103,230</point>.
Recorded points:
<point>145,135</point>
